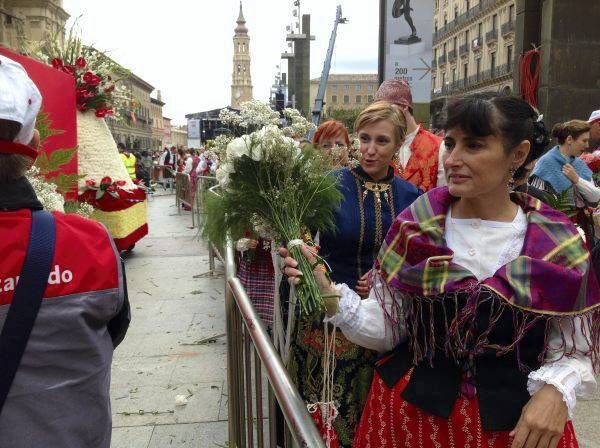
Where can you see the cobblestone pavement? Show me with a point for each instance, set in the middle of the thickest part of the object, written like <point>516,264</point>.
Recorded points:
<point>176,309</point>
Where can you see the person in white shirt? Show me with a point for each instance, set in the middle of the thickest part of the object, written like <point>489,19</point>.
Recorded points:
<point>487,298</point>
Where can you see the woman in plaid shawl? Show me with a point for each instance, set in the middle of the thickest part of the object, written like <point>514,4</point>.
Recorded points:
<point>486,298</point>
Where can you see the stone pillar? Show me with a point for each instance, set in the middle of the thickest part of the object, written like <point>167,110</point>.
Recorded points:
<point>570,65</point>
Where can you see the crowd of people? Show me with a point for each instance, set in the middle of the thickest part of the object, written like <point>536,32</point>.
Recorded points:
<point>453,264</point>
<point>160,166</point>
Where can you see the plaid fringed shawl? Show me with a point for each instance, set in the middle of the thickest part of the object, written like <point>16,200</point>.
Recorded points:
<point>551,279</point>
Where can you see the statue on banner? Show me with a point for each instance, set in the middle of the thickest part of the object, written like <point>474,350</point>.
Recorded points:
<point>403,8</point>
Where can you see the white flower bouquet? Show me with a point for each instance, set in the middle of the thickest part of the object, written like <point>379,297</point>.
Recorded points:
<point>269,185</point>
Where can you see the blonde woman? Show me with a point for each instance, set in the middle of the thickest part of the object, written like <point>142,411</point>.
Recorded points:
<point>373,197</point>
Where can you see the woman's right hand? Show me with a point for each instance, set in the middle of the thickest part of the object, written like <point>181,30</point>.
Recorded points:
<point>290,269</point>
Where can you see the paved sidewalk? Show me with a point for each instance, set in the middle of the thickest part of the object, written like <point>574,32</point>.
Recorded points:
<point>176,306</point>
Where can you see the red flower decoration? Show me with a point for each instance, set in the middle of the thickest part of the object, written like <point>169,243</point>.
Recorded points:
<point>57,63</point>
<point>138,181</point>
<point>121,183</point>
<point>111,188</point>
<point>68,69</point>
<point>106,180</point>
<point>91,80</point>
<point>81,107</point>
<point>90,183</point>
<point>103,112</point>
<point>80,63</point>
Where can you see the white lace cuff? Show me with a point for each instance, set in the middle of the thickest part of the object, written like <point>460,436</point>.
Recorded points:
<point>348,317</point>
<point>565,377</point>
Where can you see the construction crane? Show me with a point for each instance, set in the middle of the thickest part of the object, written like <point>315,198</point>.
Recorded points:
<point>318,107</point>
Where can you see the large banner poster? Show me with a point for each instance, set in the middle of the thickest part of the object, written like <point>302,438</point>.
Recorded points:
<point>406,40</point>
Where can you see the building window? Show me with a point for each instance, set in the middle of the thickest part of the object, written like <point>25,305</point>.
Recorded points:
<point>445,19</point>
<point>511,13</point>
<point>468,5</point>
<point>509,51</point>
<point>347,87</point>
<point>443,79</point>
<point>455,43</point>
<point>435,27</point>
<point>494,22</point>
<point>371,87</point>
<point>358,87</point>
<point>453,75</point>
<point>478,68</point>
<point>346,99</point>
<point>334,99</point>
<point>479,29</point>
<point>370,98</point>
<point>455,11</point>
<point>466,37</point>
<point>358,99</point>
<point>493,62</point>
<point>334,87</point>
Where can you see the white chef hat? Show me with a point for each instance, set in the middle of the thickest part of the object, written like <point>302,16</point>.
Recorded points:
<point>20,99</point>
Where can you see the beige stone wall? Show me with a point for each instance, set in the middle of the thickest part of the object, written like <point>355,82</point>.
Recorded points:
<point>31,20</point>
<point>179,137</point>
<point>346,91</point>
<point>473,46</point>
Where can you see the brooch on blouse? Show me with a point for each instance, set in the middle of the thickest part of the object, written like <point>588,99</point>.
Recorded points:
<point>377,189</point>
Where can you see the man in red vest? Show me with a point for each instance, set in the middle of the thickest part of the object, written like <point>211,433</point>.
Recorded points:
<point>58,395</point>
<point>420,157</point>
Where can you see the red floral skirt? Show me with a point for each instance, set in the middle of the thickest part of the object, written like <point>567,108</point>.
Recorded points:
<point>390,421</point>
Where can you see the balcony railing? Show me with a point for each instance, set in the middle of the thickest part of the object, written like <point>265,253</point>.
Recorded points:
<point>464,50</point>
<point>508,28</point>
<point>452,56</point>
<point>473,81</point>
<point>482,7</point>
<point>442,60</point>
<point>491,36</point>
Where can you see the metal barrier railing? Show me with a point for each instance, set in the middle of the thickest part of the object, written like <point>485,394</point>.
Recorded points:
<point>185,193</point>
<point>249,349</point>
<point>163,175</point>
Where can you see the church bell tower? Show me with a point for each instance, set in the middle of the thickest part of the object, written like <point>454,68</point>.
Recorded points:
<point>241,85</point>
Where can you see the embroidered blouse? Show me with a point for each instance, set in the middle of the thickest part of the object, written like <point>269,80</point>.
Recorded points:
<point>482,247</point>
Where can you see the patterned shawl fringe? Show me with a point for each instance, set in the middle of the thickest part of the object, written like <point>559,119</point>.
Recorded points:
<point>406,318</point>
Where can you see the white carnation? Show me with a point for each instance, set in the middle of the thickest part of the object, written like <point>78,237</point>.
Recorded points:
<point>238,147</point>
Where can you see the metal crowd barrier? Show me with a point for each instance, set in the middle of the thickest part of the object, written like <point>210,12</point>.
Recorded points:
<point>158,176</point>
<point>249,350</point>
<point>185,193</point>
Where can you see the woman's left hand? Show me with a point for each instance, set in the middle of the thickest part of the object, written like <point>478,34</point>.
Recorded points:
<point>570,172</point>
<point>363,288</point>
<point>542,421</point>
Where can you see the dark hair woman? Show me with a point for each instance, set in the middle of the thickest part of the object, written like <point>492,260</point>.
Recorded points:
<point>486,298</point>
<point>561,171</point>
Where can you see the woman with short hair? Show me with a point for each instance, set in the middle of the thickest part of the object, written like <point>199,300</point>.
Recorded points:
<point>561,170</point>
<point>485,297</point>
<point>372,197</point>
<point>332,135</point>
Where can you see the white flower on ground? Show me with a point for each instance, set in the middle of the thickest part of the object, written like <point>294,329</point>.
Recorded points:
<point>181,400</point>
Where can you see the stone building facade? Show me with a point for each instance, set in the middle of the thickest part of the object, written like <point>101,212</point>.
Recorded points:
<point>241,83</point>
<point>473,48</point>
<point>347,91</point>
<point>134,128</point>
<point>156,115</point>
<point>179,136</point>
<point>22,20</point>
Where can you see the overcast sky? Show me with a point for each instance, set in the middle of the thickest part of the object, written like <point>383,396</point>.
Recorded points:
<point>184,47</point>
